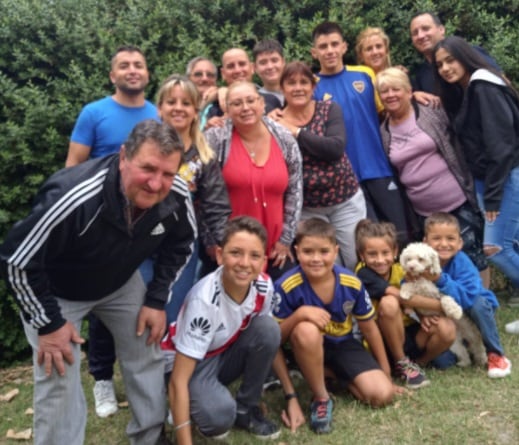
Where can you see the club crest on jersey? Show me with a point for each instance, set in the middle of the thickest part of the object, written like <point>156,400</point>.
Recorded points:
<point>348,306</point>
<point>359,86</point>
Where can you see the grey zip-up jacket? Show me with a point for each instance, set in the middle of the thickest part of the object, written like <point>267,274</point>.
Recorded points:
<point>435,123</point>
<point>219,139</point>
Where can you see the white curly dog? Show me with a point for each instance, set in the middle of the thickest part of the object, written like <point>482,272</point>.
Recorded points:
<point>418,258</point>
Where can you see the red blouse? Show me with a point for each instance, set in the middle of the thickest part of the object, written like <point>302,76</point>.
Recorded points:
<point>257,191</point>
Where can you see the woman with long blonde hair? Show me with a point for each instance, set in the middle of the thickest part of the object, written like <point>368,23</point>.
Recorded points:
<point>178,104</point>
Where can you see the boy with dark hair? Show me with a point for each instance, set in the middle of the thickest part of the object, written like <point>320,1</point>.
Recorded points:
<point>319,297</point>
<point>268,65</point>
<point>225,331</point>
<point>352,87</point>
<point>460,279</point>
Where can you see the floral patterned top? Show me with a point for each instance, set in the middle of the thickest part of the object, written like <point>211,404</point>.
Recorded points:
<point>328,178</point>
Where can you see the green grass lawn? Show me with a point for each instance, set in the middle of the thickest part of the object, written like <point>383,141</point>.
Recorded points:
<point>461,406</point>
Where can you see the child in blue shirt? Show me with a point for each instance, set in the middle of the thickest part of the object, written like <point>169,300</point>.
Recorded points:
<point>460,279</point>
<point>317,301</point>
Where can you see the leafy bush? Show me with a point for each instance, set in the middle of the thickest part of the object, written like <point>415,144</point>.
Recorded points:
<point>54,58</point>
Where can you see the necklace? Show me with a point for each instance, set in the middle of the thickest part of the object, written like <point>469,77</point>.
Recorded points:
<point>251,148</point>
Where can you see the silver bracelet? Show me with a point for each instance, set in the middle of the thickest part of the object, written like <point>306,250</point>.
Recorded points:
<point>182,425</point>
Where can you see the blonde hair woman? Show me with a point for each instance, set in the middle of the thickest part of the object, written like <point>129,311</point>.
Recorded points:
<point>418,141</point>
<point>178,104</point>
<point>372,49</point>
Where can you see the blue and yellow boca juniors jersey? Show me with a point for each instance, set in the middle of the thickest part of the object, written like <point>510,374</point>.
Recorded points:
<point>350,300</point>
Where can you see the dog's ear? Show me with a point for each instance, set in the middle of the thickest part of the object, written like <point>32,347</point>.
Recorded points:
<point>404,257</point>
<point>435,267</point>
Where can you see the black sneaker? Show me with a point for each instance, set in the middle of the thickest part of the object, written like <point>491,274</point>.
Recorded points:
<point>271,382</point>
<point>255,423</point>
<point>163,438</point>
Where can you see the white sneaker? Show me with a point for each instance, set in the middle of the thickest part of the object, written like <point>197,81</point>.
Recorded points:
<point>104,395</point>
<point>512,327</point>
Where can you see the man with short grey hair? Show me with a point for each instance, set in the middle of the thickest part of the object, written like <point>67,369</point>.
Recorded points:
<point>78,252</point>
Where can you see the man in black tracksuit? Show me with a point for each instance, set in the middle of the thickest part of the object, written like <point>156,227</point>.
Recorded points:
<point>78,251</point>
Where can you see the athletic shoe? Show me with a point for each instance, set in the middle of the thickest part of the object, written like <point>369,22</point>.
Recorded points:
<point>104,395</point>
<point>512,327</point>
<point>255,423</point>
<point>411,374</point>
<point>321,416</point>
<point>217,438</point>
<point>498,366</point>
<point>271,382</point>
<point>163,438</point>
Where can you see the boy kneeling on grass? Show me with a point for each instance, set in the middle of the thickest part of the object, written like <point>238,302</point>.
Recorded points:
<point>225,331</point>
<point>460,279</point>
<point>318,301</point>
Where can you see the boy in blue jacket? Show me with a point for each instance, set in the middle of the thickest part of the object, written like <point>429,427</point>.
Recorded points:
<point>460,279</point>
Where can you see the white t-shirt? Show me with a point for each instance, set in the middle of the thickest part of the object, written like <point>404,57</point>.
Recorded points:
<point>210,321</point>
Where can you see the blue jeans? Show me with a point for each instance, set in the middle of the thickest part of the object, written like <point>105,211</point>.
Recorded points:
<point>504,231</point>
<point>483,315</point>
<point>181,287</point>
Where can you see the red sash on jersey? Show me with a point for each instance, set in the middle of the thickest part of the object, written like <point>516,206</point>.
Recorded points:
<point>260,300</point>
<point>168,345</point>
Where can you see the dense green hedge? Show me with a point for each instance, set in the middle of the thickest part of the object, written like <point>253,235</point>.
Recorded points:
<point>54,58</point>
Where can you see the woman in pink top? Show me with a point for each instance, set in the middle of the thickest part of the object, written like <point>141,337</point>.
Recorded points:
<point>429,164</point>
<point>261,165</point>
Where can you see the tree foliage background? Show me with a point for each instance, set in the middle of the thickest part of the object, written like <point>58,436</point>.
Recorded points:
<point>54,58</point>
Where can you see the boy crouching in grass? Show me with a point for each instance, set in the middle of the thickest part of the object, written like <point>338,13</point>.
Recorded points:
<point>460,279</point>
<point>317,302</point>
<point>225,331</point>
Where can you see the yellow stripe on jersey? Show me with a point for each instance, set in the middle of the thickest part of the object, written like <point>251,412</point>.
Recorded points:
<point>350,281</point>
<point>337,328</point>
<point>366,316</point>
<point>292,282</point>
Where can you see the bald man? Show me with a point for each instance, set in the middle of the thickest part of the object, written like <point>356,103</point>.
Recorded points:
<point>237,67</point>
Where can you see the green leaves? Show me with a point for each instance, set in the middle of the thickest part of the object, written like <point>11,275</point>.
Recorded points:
<point>55,57</point>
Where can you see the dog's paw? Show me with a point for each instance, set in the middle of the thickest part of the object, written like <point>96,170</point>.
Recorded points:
<point>480,360</point>
<point>450,308</point>
<point>406,291</point>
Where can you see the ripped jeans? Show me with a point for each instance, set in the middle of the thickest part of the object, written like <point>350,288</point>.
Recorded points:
<point>504,231</point>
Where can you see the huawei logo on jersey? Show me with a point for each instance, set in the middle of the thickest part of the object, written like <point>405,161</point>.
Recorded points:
<point>200,326</point>
<point>359,86</point>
